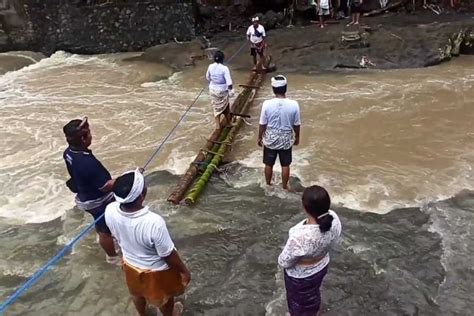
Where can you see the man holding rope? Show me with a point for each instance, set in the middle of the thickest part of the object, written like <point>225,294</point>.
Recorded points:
<point>90,181</point>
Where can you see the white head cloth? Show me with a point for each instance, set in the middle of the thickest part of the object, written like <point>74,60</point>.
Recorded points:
<point>137,188</point>
<point>280,82</point>
<point>255,19</point>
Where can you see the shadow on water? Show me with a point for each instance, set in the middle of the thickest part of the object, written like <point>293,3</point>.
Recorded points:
<point>401,263</point>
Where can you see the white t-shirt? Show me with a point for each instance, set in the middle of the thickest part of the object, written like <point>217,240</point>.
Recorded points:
<point>280,115</point>
<point>307,241</point>
<point>142,235</point>
<point>256,36</point>
<point>324,4</point>
<point>218,76</point>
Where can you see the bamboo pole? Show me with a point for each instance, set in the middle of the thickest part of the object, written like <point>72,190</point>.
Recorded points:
<point>200,184</point>
<point>195,191</point>
<point>187,179</point>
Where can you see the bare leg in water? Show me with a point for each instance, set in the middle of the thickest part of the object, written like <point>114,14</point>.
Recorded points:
<point>255,62</point>
<point>217,119</point>
<point>285,177</point>
<point>171,308</point>
<point>227,117</point>
<point>268,174</point>
<point>106,241</point>
<point>140,304</point>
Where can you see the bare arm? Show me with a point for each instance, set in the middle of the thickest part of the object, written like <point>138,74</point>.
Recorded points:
<point>107,187</point>
<point>261,131</point>
<point>174,261</point>
<point>296,128</point>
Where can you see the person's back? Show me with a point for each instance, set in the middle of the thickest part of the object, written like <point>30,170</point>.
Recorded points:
<point>279,122</point>
<point>282,114</point>
<point>311,243</point>
<point>154,272</point>
<point>218,76</point>
<point>142,236</point>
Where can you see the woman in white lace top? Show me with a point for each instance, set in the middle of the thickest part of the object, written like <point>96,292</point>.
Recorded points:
<point>306,254</point>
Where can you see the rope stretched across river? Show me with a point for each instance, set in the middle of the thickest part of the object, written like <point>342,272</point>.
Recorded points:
<point>68,247</point>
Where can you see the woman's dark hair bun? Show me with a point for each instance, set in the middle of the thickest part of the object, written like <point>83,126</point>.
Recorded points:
<point>317,202</point>
<point>219,57</point>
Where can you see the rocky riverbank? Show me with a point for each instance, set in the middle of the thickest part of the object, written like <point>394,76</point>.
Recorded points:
<point>384,42</point>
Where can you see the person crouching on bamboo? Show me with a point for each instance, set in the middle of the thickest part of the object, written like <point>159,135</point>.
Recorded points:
<point>153,269</point>
<point>220,89</point>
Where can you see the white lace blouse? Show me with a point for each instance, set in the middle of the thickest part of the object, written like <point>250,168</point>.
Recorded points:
<point>306,242</point>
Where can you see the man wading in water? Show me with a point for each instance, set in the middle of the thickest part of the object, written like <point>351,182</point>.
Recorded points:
<point>90,181</point>
<point>256,35</point>
<point>153,269</point>
<point>280,117</point>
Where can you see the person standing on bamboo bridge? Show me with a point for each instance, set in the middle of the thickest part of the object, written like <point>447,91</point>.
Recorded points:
<point>90,181</point>
<point>220,89</point>
<point>256,36</point>
<point>153,269</point>
<point>279,130</point>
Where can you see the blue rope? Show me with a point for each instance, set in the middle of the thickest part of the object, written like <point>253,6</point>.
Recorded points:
<point>66,249</point>
<point>48,266</point>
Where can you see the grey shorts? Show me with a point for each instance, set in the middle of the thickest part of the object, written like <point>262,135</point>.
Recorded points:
<point>322,11</point>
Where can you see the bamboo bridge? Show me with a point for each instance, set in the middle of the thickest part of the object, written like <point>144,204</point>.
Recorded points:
<point>192,183</point>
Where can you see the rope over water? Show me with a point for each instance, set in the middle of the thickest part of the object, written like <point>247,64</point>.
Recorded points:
<point>68,247</point>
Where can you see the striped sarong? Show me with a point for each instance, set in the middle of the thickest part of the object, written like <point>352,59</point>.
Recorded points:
<point>219,100</point>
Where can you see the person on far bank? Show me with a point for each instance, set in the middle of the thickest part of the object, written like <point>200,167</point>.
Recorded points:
<point>256,36</point>
<point>279,130</point>
<point>356,10</point>
<point>305,257</point>
<point>90,180</point>
<point>220,89</point>
<point>153,269</point>
<point>324,10</point>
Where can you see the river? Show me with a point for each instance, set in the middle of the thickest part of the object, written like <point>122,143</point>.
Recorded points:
<point>395,150</point>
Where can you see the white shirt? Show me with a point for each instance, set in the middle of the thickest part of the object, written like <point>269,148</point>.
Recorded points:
<point>324,4</point>
<point>307,241</point>
<point>280,115</point>
<point>253,33</point>
<point>218,76</point>
<point>142,235</point>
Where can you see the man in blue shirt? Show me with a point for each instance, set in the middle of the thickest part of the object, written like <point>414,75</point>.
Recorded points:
<point>90,181</point>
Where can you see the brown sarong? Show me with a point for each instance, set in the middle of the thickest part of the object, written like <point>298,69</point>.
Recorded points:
<point>156,286</point>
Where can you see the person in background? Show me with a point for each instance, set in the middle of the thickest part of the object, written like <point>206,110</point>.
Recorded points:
<point>305,258</point>
<point>153,269</point>
<point>279,119</point>
<point>220,89</point>
<point>256,36</point>
<point>356,9</point>
<point>90,180</point>
<point>324,10</point>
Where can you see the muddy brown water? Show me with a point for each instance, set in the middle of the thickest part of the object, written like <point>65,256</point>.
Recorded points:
<point>394,148</point>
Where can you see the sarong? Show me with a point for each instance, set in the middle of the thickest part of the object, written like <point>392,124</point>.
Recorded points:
<point>303,295</point>
<point>156,286</point>
<point>219,100</point>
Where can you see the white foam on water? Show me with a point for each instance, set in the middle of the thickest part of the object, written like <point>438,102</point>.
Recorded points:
<point>32,172</point>
<point>277,305</point>
<point>173,80</point>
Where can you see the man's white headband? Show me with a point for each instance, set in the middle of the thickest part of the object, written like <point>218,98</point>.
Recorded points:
<point>137,188</point>
<point>255,19</point>
<point>280,82</point>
